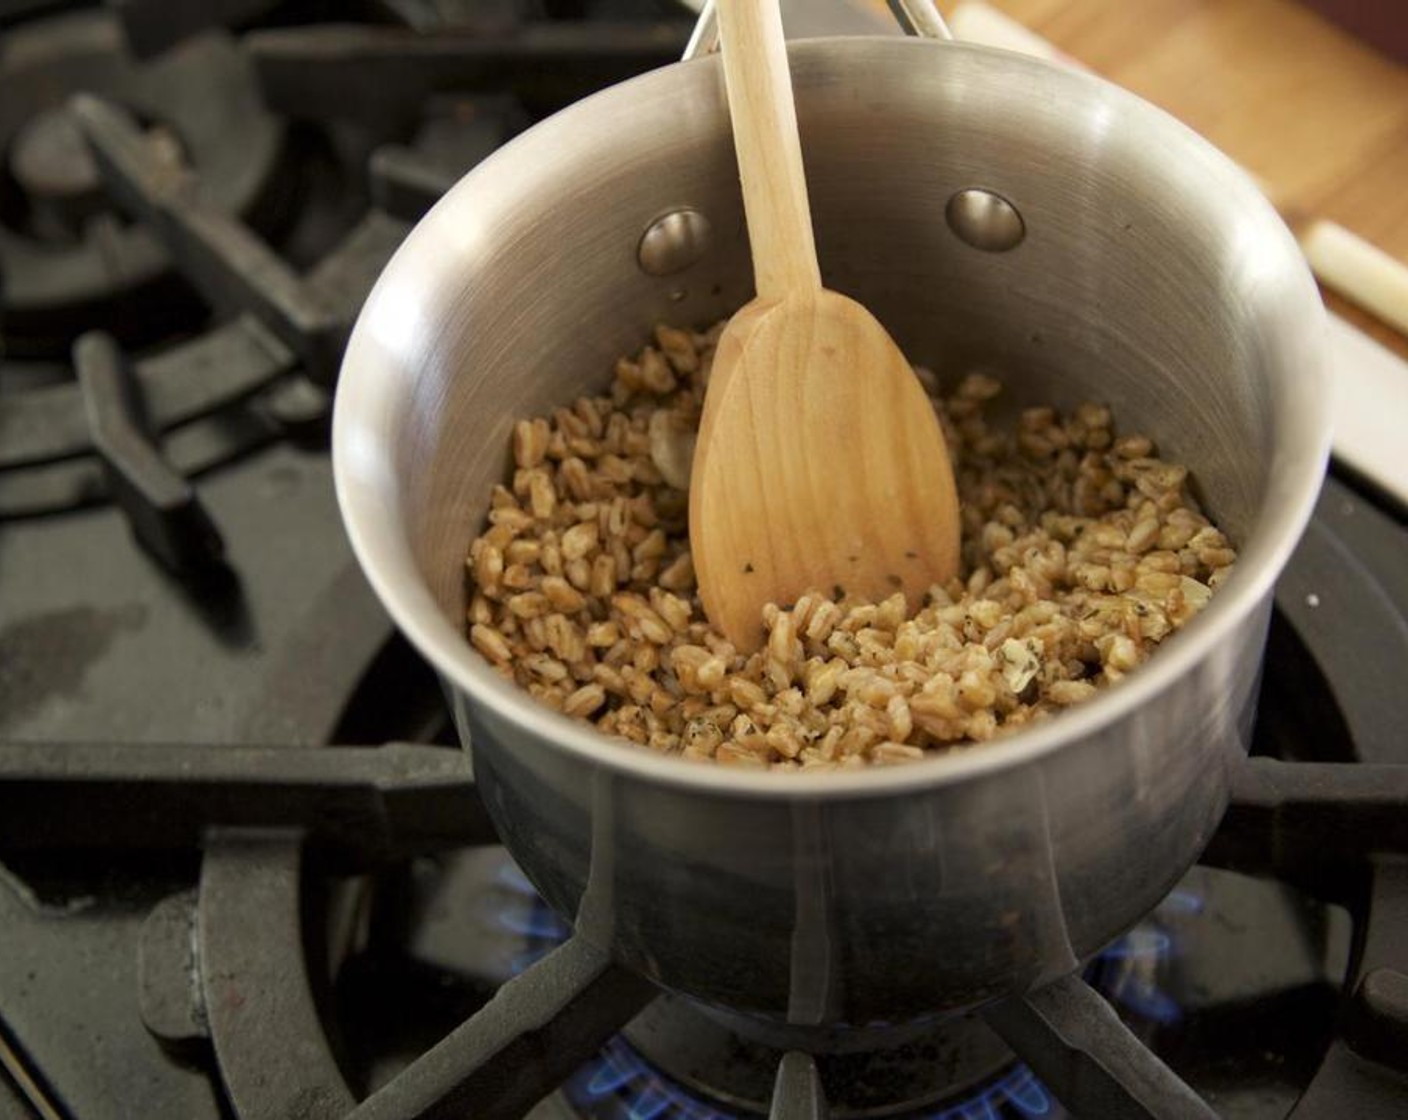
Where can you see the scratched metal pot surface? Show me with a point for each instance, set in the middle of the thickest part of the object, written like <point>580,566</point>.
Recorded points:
<point>1149,274</point>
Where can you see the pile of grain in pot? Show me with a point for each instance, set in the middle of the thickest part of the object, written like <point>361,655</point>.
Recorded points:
<point>1081,552</point>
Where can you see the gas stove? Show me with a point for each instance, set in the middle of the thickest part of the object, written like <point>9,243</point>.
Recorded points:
<point>243,870</point>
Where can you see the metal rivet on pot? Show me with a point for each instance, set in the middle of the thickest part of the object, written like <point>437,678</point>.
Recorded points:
<point>674,242</point>
<point>985,220</point>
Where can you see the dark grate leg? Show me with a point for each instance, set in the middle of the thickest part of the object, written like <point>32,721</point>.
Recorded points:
<point>152,26</point>
<point>797,1094</point>
<point>521,1045</point>
<point>405,183</point>
<point>274,1055</point>
<point>382,76</point>
<point>354,807</point>
<point>165,513</point>
<point>1307,822</point>
<point>230,265</point>
<point>1077,1045</point>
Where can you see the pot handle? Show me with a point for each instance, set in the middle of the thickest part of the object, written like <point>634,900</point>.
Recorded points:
<point>917,17</point>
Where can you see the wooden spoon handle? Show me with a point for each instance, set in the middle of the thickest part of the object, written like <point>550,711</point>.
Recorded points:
<point>769,149</point>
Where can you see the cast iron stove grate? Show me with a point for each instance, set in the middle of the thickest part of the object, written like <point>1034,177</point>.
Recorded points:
<point>202,171</point>
<point>227,963</point>
<point>224,966</point>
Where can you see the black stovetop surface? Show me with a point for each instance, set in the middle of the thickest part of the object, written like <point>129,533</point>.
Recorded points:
<point>199,919</point>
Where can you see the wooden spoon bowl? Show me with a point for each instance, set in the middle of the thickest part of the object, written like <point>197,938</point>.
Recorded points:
<point>820,463</point>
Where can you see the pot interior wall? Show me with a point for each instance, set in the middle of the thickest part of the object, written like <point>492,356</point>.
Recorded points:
<point>1149,277</point>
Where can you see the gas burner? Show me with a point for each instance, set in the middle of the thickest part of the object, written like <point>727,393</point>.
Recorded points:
<point>75,263</point>
<point>266,219</point>
<point>356,937</point>
<point>1227,972</point>
<point>1165,978</point>
<point>70,262</point>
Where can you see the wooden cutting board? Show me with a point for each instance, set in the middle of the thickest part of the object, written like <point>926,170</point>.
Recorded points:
<point>1319,116</point>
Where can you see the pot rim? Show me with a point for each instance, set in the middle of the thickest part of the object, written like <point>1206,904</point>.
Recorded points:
<point>365,390</point>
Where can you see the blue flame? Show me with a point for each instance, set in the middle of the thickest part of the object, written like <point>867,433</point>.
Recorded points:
<point>1144,997</point>
<point>643,1094</point>
<point>1182,902</point>
<point>1016,1091</point>
<point>535,921</point>
<point>618,1071</point>
<point>1130,969</point>
<point>1127,972</point>
<point>1028,1094</point>
<point>1140,943</point>
<point>649,1103</point>
<point>618,1067</point>
<point>510,876</point>
<point>524,914</point>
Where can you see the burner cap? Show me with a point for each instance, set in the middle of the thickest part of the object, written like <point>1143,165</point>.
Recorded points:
<point>49,158</point>
<point>70,261</point>
<point>53,166</point>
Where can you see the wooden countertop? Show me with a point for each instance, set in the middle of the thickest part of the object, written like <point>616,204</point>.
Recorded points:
<point>1319,116</point>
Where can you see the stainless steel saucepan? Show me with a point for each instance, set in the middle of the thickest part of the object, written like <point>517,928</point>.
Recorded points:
<point>1150,274</point>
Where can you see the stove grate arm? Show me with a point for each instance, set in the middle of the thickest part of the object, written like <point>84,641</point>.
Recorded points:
<point>1075,1042</point>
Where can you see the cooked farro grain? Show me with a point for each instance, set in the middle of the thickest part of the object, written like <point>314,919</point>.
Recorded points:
<point>1081,552</point>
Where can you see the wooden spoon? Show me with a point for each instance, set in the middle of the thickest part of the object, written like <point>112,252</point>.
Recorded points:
<point>820,463</point>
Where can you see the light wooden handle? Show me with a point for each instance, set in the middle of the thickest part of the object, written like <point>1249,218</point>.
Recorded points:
<point>1359,271</point>
<point>769,149</point>
<point>1344,262</point>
